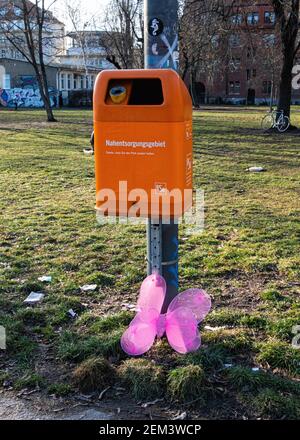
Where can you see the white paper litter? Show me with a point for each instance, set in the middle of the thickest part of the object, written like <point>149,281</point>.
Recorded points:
<point>34,298</point>
<point>256,169</point>
<point>45,279</point>
<point>255,369</point>
<point>88,288</point>
<point>154,402</point>
<point>130,307</point>
<point>88,151</point>
<point>228,365</point>
<point>182,416</point>
<point>214,329</point>
<point>72,313</point>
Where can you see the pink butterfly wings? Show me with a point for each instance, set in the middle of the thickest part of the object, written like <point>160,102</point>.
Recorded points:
<point>180,323</point>
<point>140,335</point>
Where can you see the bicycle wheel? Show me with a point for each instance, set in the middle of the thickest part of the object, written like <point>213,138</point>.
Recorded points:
<point>267,122</point>
<point>283,124</point>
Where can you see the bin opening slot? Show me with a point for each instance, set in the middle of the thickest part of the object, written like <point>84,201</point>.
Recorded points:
<point>146,92</point>
<point>139,91</point>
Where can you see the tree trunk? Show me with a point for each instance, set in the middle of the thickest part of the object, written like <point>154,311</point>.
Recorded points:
<point>44,91</point>
<point>45,94</point>
<point>285,86</point>
<point>48,108</point>
<point>287,15</point>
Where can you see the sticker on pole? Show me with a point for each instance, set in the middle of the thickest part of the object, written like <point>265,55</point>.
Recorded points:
<point>155,27</point>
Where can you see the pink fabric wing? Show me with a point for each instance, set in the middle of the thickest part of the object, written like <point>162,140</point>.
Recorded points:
<point>152,293</point>
<point>196,300</point>
<point>182,330</point>
<point>141,333</point>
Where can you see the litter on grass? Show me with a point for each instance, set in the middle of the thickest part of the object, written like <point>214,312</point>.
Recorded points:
<point>182,416</point>
<point>214,329</point>
<point>256,169</point>
<point>88,288</point>
<point>34,298</point>
<point>72,313</point>
<point>131,307</point>
<point>88,152</point>
<point>154,402</point>
<point>45,279</point>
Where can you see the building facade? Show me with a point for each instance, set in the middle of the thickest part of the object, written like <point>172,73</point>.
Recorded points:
<point>18,85</point>
<point>79,66</point>
<point>11,16</point>
<point>249,64</point>
<point>72,61</point>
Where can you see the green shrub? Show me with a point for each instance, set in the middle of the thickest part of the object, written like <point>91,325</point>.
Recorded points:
<point>276,354</point>
<point>145,378</point>
<point>275,405</point>
<point>186,383</point>
<point>59,389</point>
<point>271,295</point>
<point>29,380</point>
<point>94,374</point>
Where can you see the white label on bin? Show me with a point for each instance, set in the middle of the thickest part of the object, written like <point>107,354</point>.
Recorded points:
<point>136,144</point>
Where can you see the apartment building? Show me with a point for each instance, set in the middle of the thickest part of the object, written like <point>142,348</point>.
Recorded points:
<point>249,62</point>
<point>72,61</point>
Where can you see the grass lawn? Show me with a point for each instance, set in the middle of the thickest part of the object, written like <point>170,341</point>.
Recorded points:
<point>248,259</point>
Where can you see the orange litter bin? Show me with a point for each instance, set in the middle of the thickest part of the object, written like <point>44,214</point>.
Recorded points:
<point>143,143</point>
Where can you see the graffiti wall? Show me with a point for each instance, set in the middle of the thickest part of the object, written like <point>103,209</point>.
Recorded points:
<point>24,98</point>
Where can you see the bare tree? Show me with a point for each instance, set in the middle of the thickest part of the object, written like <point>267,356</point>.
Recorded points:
<point>205,34</point>
<point>123,33</point>
<point>80,21</point>
<point>287,15</point>
<point>28,27</point>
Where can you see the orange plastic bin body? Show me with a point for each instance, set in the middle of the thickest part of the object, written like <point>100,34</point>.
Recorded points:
<point>143,136</point>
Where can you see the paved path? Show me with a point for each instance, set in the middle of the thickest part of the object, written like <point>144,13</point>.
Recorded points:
<point>14,408</point>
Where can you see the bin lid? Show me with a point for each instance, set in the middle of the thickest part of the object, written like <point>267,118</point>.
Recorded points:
<point>175,106</point>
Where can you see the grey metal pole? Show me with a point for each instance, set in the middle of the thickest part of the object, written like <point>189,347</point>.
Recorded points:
<point>161,52</point>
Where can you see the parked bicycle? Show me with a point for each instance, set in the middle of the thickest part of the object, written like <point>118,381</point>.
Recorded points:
<point>275,119</point>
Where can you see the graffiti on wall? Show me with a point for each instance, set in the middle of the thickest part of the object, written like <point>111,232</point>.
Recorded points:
<point>24,98</point>
<point>29,81</point>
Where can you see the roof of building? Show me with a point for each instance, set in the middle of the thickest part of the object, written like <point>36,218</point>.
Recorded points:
<point>15,9</point>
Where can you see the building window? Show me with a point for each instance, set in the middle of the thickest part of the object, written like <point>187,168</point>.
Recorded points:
<point>75,82</point>
<point>62,81</point>
<point>234,87</point>
<point>214,42</point>
<point>267,87</point>
<point>82,82</point>
<point>251,52</point>
<point>18,11</point>
<point>92,81</point>
<point>6,84</point>
<point>3,53</point>
<point>234,40</point>
<point>237,87</point>
<point>237,19</point>
<point>3,11</point>
<point>69,81</point>
<point>269,17</point>
<point>270,40</point>
<point>235,64</point>
<point>251,74</point>
<point>253,18</point>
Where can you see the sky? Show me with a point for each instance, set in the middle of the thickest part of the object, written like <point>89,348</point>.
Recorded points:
<point>89,7</point>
